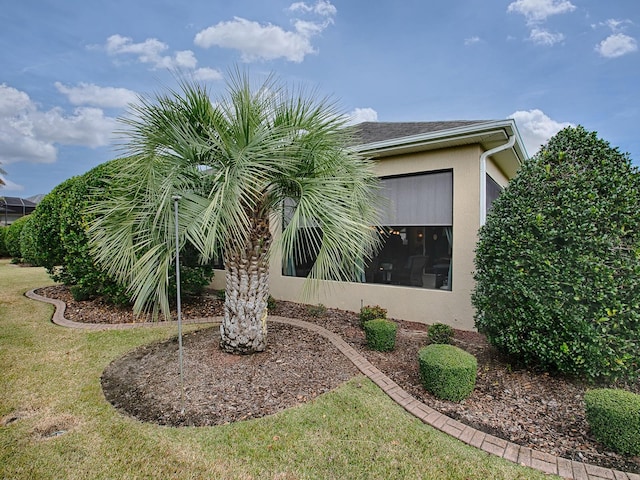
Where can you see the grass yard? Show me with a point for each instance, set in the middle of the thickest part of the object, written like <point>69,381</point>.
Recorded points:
<point>50,383</point>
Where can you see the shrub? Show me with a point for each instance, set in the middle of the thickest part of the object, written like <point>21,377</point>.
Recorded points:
<point>614,418</point>
<point>380,334</point>
<point>63,246</point>
<point>371,313</point>
<point>28,246</point>
<point>440,333</point>
<point>557,263</point>
<point>447,371</point>
<point>12,237</point>
<point>271,303</point>
<point>3,248</point>
<point>318,310</point>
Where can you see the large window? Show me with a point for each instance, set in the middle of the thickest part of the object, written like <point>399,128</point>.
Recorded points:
<point>417,235</point>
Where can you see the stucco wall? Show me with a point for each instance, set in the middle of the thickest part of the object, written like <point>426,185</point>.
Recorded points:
<point>415,304</point>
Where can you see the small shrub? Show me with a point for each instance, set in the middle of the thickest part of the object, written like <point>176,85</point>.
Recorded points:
<point>614,418</point>
<point>3,248</point>
<point>28,246</point>
<point>447,371</point>
<point>440,333</point>
<point>271,304</point>
<point>318,310</point>
<point>380,334</point>
<point>371,313</point>
<point>79,293</point>
<point>221,294</point>
<point>12,237</point>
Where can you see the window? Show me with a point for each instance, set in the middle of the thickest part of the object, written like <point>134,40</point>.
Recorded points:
<point>417,235</point>
<point>493,191</point>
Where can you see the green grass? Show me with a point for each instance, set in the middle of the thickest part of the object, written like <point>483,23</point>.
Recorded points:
<point>50,381</point>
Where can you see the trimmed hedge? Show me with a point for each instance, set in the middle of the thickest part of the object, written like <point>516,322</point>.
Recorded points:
<point>440,333</point>
<point>447,371</point>
<point>614,418</point>
<point>369,312</point>
<point>12,237</point>
<point>380,334</point>
<point>3,248</point>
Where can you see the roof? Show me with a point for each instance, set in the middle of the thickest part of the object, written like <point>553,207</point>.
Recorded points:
<point>384,139</point>
<point>370,132</point>
<point>16,205</point>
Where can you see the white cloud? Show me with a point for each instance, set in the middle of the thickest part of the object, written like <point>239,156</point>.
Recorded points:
<point>257,41</point>
<point>323,8</point>
<point>616,45</point>
<point>536,128</point>
<point>540,36</point>
<point>150,52</point>
<point>90,94</point>
<point>472,40</point>
<point>359,115</point>
<point>539,10</point>
<point>29,134</point>
<point>207,74</point>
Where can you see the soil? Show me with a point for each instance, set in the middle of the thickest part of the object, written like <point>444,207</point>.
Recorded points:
<point>532,409</point>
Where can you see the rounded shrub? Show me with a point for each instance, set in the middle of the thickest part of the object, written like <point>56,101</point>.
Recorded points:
<point>614,418</point>
<point>380,334</point>
<point>369,312</point>
<point>448,372</point>
<point>558,263</point>
<point>28,246</point>
<point>440,333</point>
<point>12,237</point>
<point>3,248</point>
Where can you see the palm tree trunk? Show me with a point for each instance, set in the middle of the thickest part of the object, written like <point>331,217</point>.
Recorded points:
<point>244,325</point>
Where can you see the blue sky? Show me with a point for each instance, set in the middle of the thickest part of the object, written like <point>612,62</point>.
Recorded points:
<point>70,67</point>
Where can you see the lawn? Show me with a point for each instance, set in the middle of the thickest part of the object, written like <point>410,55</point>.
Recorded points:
<point>55,422</point>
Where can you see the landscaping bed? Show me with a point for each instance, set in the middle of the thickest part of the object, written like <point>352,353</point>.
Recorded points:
<point>533,409</point>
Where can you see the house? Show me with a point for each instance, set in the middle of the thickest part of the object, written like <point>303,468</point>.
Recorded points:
<point>12,208</point>
<point>441,178</point>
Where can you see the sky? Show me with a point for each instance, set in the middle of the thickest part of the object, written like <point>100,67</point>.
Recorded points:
<point>70,68</point>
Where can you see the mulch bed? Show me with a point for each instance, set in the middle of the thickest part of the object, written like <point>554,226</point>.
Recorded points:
<point>532,409</point>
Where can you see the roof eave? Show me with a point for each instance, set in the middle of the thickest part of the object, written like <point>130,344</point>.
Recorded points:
<point>487,134</point>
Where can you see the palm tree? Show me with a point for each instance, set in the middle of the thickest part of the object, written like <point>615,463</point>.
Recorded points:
<point>236,163</point>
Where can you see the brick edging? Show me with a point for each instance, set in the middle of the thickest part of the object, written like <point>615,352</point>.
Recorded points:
<point>513,452</point>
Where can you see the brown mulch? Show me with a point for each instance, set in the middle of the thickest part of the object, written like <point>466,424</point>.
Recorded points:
<point>532,409</point>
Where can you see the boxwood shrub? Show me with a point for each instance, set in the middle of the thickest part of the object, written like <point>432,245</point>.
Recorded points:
<point>447,371</point>
<point>12,237</point>
<point>380,334</point>
<point>3,248</point>
<point>369,312</point>
<point>614,418</point>
<point>440,333</point>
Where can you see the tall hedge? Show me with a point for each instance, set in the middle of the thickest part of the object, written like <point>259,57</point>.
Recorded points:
<point>3,248</point>
<point>558,261</point>
<point>62,244</point>
<point>12,237</point>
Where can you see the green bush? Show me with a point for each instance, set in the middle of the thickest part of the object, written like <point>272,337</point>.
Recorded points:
<point>440,333</point>
<point>12,237</point>
<point>447,371</point>
<point>369,312</point>
<point>63,247</point>
<point>380,334</point>
<point>558,264</point>
<point>271,303</point>
<point>614,418</point>
<point>3,248</point>
<point>28,246</point>
<point>318,310</point>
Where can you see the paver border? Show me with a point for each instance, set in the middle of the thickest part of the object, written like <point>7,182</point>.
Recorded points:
<point>510,451</point>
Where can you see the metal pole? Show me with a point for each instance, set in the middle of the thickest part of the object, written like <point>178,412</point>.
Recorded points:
<point>176,199</point>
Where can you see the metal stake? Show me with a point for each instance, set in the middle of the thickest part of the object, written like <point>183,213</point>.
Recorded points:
<point>176,199</point>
